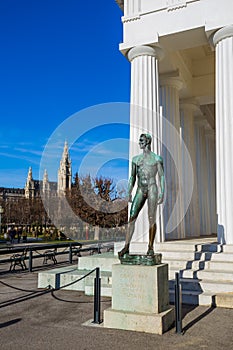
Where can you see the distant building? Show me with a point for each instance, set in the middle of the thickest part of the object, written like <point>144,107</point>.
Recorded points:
<point>64,172</point>
<point>11,193</point>
<point>33,187</point>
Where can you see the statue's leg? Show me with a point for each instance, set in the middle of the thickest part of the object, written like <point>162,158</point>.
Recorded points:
<point>152,207</point>
<point>137,205</point>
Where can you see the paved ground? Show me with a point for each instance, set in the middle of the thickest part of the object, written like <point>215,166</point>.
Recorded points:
<point>30,319</point>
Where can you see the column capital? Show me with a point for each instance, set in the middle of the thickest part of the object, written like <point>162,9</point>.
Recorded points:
<point>190,105</point>
<point>203,122</point>
<point>145,50</point>
<point>223,33</point>
<point>175,82</point>
<point>200,120</point>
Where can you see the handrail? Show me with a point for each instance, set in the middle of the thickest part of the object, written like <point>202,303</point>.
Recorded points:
<point>41,246</point>
<point>71,245</point>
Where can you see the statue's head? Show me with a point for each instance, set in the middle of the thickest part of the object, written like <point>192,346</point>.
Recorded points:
<point>145,141</point>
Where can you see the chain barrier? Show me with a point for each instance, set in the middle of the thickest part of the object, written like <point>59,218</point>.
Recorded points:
<point>50,289</point>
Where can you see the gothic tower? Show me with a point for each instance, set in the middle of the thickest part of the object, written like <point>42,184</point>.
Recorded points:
<point>45,185</point>
<point>29,186</point>
<point>64,172</point>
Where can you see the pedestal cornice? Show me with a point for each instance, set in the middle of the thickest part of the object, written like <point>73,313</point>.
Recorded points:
<point>223,33</point>
<point>144,50</point>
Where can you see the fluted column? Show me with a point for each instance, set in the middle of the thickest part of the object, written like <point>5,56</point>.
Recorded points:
<point>211,174</point>
<point>144,118</point>
<point>202,175</point>
<point>191,207</point>
<point>172,161</point>
<point>223,41</point>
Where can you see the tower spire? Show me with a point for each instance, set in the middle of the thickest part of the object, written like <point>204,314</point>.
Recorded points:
<point>64,172</point>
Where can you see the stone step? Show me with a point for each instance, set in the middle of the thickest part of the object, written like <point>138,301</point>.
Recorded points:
<point>187,284</point>
<point>193,297</point>
<point>61,278</point>
<point>175,264</point>
<point>215,275</point>
<point>224,256</point>
<point>175,246</point>
<point>189,256</point>
<point>216,286</point>
<point>103,261</point>
<point>220,265</point>
<point>209,286</point>
<point>106,289</point>
<point>188,247</point>
<point>209,247</point>
<point>224,300</point>
<point>48,277</point>
<point>227,248</point>
<point>184,264</point>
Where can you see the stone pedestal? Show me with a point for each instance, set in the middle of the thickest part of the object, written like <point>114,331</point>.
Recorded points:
<point>140,299</point>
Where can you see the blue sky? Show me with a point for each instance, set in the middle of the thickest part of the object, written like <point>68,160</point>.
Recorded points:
<point>58,58</point>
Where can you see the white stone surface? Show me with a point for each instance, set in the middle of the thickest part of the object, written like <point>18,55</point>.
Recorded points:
<point>192,216</point>
<point>103,261</point>
<point>223,40</point>
<point>184,30</point>
<point>139,322</point>
<point>144,118</point>
<point>202,178</point>
<point>173,209</point>
<point>138,288</point>
<point>140,299</point>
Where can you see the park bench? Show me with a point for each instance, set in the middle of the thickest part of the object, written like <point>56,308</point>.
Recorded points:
<point>50,255</point>
<point>18,259</point>
<point>110,248</point>
<point>96,250</point>
<point>76,251</point>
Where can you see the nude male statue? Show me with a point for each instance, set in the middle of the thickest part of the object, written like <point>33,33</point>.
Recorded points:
<point>145,167</point>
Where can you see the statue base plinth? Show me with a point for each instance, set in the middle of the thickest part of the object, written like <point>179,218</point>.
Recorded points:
<point>140,299</point>
<point>141,259</point>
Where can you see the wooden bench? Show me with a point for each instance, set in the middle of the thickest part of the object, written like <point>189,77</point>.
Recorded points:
<point>96,250</point>
<point>18,259</point>
<point>76,251</point>
<point>50,255</point>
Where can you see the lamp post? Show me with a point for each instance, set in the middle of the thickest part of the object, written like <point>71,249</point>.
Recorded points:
<point>1,212</point>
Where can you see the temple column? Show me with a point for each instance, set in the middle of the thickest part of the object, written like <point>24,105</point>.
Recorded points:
<point>191,206</point>
<point>211,174</point>
<point>173,210</point>
<point>202,175</point>
<point>223,41</point>
<point>144,118</point>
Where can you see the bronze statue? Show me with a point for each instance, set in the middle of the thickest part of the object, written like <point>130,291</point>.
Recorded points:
<point>145,167</point>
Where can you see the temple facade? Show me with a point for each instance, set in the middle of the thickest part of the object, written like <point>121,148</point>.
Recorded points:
<point>181,55</point>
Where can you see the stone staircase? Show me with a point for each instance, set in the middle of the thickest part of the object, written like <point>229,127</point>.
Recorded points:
<point>60,277</point>
<point>205,267</point>
<point>206,271</point>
